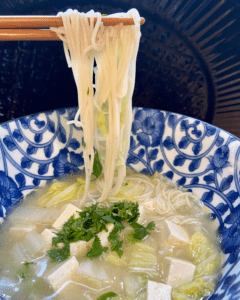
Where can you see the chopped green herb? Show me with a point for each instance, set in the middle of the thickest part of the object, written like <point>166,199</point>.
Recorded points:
<point>97,167</point>
<point>60,254</point>
<point>28,263</point>
<point>22,275</point>
<point>106,296</point>
<point>129,236</point>
<point>141,231</point>
<point>94,219</point>
<point>84,145</point>
<point>88,91</point>
<point>97,249</point>
<point>24,271</point>
<point>126,184</point>
<point>114,239</point>
<point>104,15</point>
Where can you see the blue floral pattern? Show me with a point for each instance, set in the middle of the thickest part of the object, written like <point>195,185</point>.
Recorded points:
<point>9,193</point>
<point>219,160</point>
<point>196,155</point>
<point>148,125</point>
<point>63,166</point>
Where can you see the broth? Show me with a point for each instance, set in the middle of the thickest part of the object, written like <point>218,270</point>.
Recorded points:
<point>127,277</point>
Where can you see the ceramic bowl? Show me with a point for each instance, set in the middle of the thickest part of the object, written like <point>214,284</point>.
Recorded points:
<point>202,158</point>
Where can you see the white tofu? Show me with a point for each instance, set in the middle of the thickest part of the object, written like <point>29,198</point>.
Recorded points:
<point>178,271</point>
<point>62,273</point>
<point>158,291</point>
<point>103,235</point>
<point>20,230</point>
<point>173,233</point>
<point>48,234</point>
<point>68,211</point>
<point>79,248</point>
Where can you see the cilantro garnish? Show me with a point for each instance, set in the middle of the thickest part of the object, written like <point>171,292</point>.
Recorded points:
<point>97,249</point>
<point>60,254</point>
<point>141,231</point>
<point>24,271</point>
<point>97,167</point>
<point>114,238</point>
<point>28,263</point>
<point>22,275</point>
<point>94,219</point>
<point>107,296</point>
<point>129,236</point>
<point>88,91</point>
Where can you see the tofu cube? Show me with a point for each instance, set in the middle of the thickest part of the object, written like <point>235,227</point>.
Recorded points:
<point>103,235</point>
<point>158,291</point>
<point>79,248</point>
<point>19,231</point>
<point>68,211</point>
<point>48,234</point>
<point>173,233</point>
<point>178,271</point>
<point>62,273</point>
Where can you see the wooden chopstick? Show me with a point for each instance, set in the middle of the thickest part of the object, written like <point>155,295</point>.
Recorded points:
<point>52,21</point>
<point>24,28</point>
<point>28,35</point>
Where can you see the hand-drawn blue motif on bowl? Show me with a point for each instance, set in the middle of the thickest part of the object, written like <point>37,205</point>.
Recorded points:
<point>9,192</point>
<point>199,156</point>
<point>219,160</point>
<point>231,235</point>
<point>67,162</point>
<point>149,126</point>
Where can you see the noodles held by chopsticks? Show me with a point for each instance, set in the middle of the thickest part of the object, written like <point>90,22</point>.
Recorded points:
<point>106,114</point>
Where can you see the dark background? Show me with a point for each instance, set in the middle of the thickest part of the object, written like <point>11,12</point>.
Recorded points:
<point>188,60</point>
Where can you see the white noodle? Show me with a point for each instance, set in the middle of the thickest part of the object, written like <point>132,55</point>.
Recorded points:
<point>114,49</point>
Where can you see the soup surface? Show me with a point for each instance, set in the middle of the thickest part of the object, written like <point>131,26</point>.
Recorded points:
<point>170,250</point>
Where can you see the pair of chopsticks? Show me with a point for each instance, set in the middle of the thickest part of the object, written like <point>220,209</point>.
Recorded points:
<point>36,28</point>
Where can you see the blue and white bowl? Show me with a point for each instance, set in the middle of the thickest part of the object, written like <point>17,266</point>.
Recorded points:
<point>199,156</point>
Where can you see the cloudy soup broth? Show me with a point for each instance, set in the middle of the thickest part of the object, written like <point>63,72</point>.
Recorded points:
<point>133,246</point>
